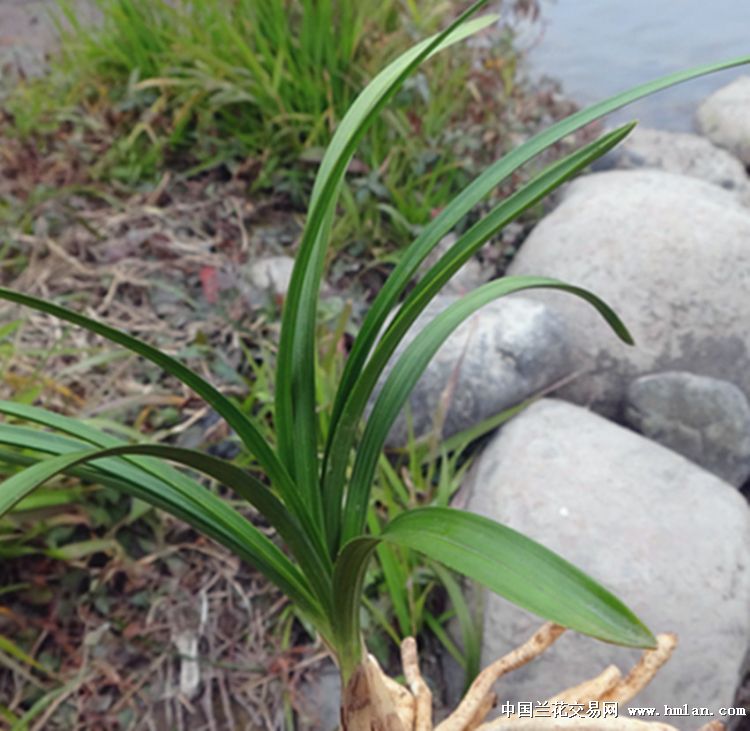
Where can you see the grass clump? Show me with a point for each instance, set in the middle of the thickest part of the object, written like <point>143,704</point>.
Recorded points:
<point>258,86</point>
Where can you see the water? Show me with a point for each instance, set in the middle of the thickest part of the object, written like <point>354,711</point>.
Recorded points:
<point>599,47</point>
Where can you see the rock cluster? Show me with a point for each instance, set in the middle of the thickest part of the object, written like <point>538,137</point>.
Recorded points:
<point>632,471</point>
<point>668,538</point>
<point>633,475</point>
<point>724,118</point>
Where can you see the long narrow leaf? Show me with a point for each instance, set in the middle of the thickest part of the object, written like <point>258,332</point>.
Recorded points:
<point>412,364</point>
<point>85,474</point>
<point>12,649</point>
<point>146,472</point>
<point>259,496</point>
<point>348,581</point>
<point>41,704</point>
<point>84,435</point>
<point>295,392</point>
<point>341,439</point>
<point>204,510</point>
<point>395,577</point>
<point>453,213</point>
<point>503,560</point>
<point>244,427</point>
<point>240,481</point>
<point>469,623</point>
<point>519,569</point>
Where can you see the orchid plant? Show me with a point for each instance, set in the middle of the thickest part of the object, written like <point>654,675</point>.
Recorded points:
<point>318,486</point>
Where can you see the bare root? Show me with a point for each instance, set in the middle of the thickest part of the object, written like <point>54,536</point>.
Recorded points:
<point>420,690</point>
<point>644,671</point>
<point>466,712</point>
<point>375,702</point>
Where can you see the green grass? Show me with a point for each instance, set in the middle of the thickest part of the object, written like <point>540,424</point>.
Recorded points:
<point>221,82</point>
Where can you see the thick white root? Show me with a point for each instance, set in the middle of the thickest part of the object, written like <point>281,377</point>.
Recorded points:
<point>375,702</point>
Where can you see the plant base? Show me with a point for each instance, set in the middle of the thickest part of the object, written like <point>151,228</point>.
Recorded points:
<point>374,702</point>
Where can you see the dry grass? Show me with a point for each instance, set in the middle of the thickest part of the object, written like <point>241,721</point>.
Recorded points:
<point>165,266</point>
<point>133,668</point>
<point>170,273</point>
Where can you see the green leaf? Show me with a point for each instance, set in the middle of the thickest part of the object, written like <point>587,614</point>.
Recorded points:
<point>295,383</point>
<point>112,473</point>
<point>154,473</point>
<point>519,569</point>
<point>462,439</point>
<point>348,581</point>
<point>469,623</point>
<point>260,497</point>
<point>199,507</point>
<point>94,476</point>
<point>36,440</point>
<point>247,431</point>
<point>8,646</point>
<point>463,203</point>
<point>40,705</point>
<point>243,483</point>
<point>47,499</point>
<point>346,418</point>
<point>395,575</point>
<point>506,562</point>
<point>411,365</point>
<point>82,549</point>
<point>83,434</point>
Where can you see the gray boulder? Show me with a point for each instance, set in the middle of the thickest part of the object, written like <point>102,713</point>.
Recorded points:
<point>470,276</point>
<point>671,254</point>
<point>266,281</point>
<point>725,118</point>
<point>268,278</point>
<point>681,153</point>
<point>509,350</point>
<point>670,539</point>
<point>704,419</point>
